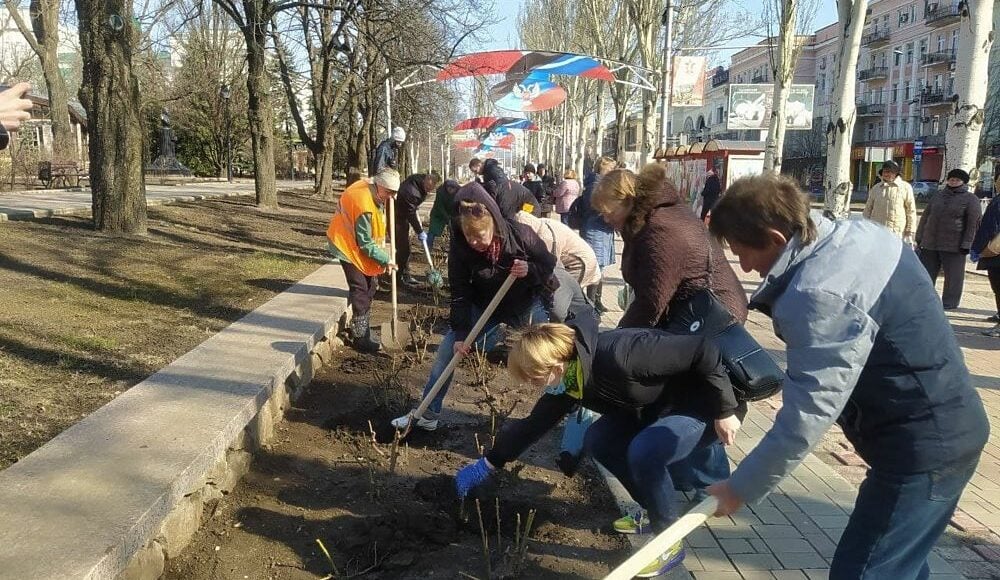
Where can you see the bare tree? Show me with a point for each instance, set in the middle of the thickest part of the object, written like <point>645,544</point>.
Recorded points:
<point>840,127</point>
<point>43,38</point>
<point>966,121</point>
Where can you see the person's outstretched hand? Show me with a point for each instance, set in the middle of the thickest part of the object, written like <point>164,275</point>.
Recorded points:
<point>729,502</point>
<point>472,476</point>
<point>14,108</point>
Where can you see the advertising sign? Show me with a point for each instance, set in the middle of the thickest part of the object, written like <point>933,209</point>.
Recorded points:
<point>688,81</point>
<point>750,107</point>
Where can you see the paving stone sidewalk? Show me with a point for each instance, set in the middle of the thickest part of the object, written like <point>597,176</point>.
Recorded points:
<point>792,534</point>
<point>34,204</point>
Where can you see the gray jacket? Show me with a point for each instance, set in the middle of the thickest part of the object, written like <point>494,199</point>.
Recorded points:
<point>852,309</point>
<point>950,220</point>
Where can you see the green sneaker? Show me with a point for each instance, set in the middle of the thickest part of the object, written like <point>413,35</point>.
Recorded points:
<point>666,562</point>
<point>633,524</point>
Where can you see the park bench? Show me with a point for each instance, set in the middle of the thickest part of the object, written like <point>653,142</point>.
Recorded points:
<point>52,173</point>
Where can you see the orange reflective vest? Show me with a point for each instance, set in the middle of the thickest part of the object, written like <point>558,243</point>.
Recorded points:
<point>357,229</point>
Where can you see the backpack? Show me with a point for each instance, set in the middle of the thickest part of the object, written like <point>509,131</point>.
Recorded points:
<point>577,214</point>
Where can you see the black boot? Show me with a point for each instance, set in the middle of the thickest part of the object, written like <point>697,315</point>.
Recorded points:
<point>406,279</point>
<point>362,335</point>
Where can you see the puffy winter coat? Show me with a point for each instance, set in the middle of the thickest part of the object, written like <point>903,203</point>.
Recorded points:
<point>575,254</point>
<point>950,220</point>
<point>989,228</point>
<point>565,194</point>
<point>893,206</point>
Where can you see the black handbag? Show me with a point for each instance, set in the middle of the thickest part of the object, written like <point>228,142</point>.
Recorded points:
<point>752,371</point>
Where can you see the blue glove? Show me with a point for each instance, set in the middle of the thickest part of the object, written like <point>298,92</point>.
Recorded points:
<point>974,256</point>
<point>422,236</point>
<point>472,476</point>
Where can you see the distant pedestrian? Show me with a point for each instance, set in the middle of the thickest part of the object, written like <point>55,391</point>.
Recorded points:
<point>548,180</point>
<point>984,252</point>
<point>387,152</point>
<point>710,193</point>
<point>531,182</point>
<point>442,211</point>
<point>945,233</point>
<point>356,236</point>
<point>511,196</point>
<point>597,232</point>
<point>565,194</point>
<point>476,167</point>
<point>891,203</point>
<point>412,193</point>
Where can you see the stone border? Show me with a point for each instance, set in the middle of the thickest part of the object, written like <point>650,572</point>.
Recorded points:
<point>123,490</point>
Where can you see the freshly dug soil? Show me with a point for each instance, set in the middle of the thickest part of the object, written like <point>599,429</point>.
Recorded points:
<point>327,477</point>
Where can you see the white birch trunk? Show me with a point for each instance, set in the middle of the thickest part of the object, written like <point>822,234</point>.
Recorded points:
<point>599,139</point>
<point>966,121</point>
<point>843,109</point>
<point>785,71</point>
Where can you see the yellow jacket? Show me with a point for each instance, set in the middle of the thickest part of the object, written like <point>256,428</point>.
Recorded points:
<point>893,205</point>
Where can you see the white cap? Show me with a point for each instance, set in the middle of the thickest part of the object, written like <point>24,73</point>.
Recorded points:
<point>387,178</point>
<point>398,134</point>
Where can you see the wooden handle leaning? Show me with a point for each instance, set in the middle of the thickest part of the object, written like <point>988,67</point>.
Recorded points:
<point>668,537</point>
<point>469,341</point>
<point>392,260</point>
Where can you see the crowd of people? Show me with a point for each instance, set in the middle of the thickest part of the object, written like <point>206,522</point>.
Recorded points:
<point>656,406</point>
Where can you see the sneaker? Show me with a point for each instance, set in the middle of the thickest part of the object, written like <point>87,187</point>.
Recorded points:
<point>629,525</point>
<point>666,562</point>
<point>424,423</point>
<point>993,332</point>
<point>407,280</point>
<point>699,496</point>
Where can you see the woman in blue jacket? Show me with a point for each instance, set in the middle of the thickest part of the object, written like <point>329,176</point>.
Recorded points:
<point>989,228</point>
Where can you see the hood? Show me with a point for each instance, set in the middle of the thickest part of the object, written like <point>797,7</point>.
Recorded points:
<point>473,191</point>
<point>583,320</point>
<point>450,185</point>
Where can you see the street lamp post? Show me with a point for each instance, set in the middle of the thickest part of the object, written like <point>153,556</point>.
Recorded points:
<point>225,94</point>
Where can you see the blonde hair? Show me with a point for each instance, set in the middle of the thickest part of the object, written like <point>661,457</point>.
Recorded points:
<point>570,174</point>
<point>474,218</point>
<point>643,191</point>
<point>536,349</point>
<point>604,164</point>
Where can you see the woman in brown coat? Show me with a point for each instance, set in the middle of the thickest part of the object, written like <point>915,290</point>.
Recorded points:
<point>668,257</point>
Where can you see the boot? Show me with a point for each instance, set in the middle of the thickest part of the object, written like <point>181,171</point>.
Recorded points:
<point>362,335</point>
<point>407,279</point>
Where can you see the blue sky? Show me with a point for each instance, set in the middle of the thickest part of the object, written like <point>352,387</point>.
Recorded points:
<point>504,33</point>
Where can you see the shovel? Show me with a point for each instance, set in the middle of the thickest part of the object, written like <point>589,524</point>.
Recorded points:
<point>433,277</point>
<point>668,537</point>
<point>390,330</point>
<point>455,359</point>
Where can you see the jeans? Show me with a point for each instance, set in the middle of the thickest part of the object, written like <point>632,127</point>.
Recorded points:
<point>702,468</point>
<point>897,519</point>
<point>486,342</point>
<point>640,457</point>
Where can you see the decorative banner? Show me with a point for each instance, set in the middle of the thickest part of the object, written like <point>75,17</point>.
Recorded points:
<point>687,81</point>
<point>525,62</point>
<point>527,94</point>
<point>493,124</point>
<point>750,107</point>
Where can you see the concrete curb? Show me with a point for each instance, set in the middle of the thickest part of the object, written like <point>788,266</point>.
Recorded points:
<point>20,214</point>
<point>123,490</point>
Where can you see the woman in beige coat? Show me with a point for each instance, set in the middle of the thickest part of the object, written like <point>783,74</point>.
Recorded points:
<point>891,203</point>
<point>575,254</point>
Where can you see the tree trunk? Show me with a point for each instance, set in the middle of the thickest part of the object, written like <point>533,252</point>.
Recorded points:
<point>324,166</point>
<point>840,128</point>
<point>45,21</point>
<point>110,94</point>
<point>260,113</point>
<point>966,121</point>
<point>599,139</point>
<point>784,71</point>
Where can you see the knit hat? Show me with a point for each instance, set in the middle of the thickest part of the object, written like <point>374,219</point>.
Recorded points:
<point>398,134</point>
<point>388,178</point>
<point>959,173</point>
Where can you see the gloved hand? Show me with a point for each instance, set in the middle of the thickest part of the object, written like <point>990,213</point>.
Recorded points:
<point>422,236</point>
<point>974,256</point>
<point>472,476</point>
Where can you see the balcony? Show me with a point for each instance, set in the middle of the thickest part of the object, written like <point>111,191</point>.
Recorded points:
<point>720,78</point>
<point>874,73</point>
<point>935,98</point>
<point>935,140</point>
<point>876,38</point>
<point>759,78</point>
<point>871,109</point>
<point>937,15</point>
<point>936,58</point>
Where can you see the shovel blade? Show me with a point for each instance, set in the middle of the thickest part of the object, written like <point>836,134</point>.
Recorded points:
<point>389,340</point>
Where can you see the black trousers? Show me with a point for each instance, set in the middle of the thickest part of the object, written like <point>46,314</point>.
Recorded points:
<point>402,244</point>
<point>994,275</point>
<point>360,289</point>
<point>953,264</point>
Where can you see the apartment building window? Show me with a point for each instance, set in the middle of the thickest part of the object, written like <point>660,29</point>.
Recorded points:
<point>897,55</point>
<point>885,21</point>
<point>906,91</point>
<point>720,114</point>
<point>870,132</point>
<point>882,59</point>
<point>904,128</point>
<point>895,92</point>
<point>923,47</point>
<point>937,82</point>
<point>951,83</point>
<point>903,17</point>
<point>892,129</point>
<point>909,52</point>
<point>878,130</point>
<point>954,41</point>
<point>940,43</point>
